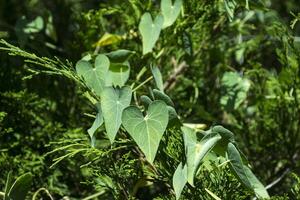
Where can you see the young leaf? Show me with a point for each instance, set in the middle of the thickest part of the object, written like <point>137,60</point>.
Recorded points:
<point>94,77</point>
<point>169,11</point>
<point>147,131</point>
<point>179,179</point>
<point>243,173</point>
<point>150,31</point>
<point>158,78</point>
<point>113,102</point>
<point>20,188</point>
<point>196,151</point>
<point>97,123</point>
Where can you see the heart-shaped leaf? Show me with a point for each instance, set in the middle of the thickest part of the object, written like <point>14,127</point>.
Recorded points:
<point>20,188</point>
<point>179,179</point>
<point>113,102</point>
<point>195,151</point>
<point>170,11</point>
<point>119,73</point>
<point>97,123</point>
<point>147,131</point>
<point>150,31</point>
<point>94,77</point>
<point>244,174</point>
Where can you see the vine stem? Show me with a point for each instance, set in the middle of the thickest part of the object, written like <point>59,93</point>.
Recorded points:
<point>143,83</point>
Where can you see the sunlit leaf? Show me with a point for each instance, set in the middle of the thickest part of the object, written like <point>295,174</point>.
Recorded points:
<point>179,179</point>
<point>170,11</point>
<point>113,102</point>
<point>95,77</point>
<point>150,31</point>
<point>148,130</point>
<point>157,77</point>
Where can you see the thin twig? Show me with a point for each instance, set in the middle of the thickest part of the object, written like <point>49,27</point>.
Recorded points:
<point>178,69</point>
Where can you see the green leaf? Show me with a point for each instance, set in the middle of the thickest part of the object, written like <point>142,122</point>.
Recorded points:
<point>196,151</point>
<point>243,173</point>
<point>230,6</point>
<point>8,184</point>
<point>162,96</point>
<point>234,89</point>
<point>113,102</point>
<point>146,101</point>
<point>119,73</point>
<point>170,11</point>
<point>150,31</point>
<point>147,131</point>
<point>119,56</point>
<point>20,188</point>
<point>95,77</point>
<point>97,123</point>
<point>225,133</point>
<point>157,77</point>
<point>34,26</point>
<point>179,179</point>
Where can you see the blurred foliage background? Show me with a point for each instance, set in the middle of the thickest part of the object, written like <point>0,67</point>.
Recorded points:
<point>236,63</point>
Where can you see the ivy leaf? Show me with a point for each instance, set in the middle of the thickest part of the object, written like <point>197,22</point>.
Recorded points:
<point>20,188</point>
<point>196,151</point>
<point>243,173</point>
<point>119,73</point>
<point>97,123</point>
<point>157,77</point>
<point>179,179</point>
<point>150,31</point>
<point>147,131</point>
<point>234,89</point>
<point>95,77</point>
<point>169,11</point>
<point>113,102</point>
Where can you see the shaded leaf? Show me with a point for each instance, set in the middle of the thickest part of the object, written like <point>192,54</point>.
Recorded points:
<point>20,188</point>
<point>120,55</point>
<point>162,96</point>
<point>243,173</point>
<point>234,90</point>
